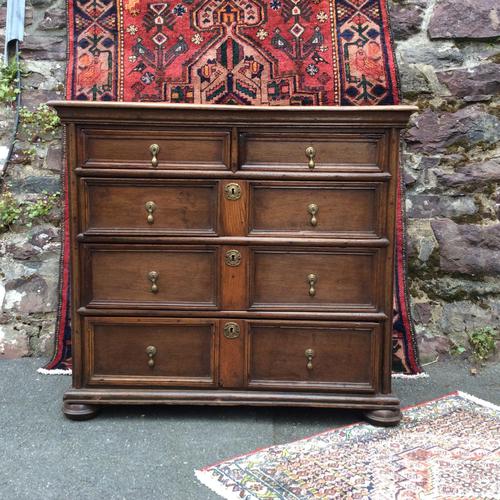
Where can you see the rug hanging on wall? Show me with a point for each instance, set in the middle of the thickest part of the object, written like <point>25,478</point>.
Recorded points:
<point>242,52</point>
<point>444,449</point>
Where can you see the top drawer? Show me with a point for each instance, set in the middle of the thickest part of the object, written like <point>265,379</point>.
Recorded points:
<point>324,151</point>
<point>178,149</point>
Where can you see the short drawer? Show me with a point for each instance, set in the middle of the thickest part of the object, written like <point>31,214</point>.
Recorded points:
<point>307,151</point>
<point>150,352</point>
<point>313,355</point>
<point>315,279</point>
<point>317,209</point>
<point>132,206</point>
<point>154,149</point>
<point>140,276</point>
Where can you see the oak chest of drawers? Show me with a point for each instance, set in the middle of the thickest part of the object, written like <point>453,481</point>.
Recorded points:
<point>232,256</point>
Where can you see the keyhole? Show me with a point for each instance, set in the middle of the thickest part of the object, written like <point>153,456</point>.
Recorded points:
<point>233,190</point>
<point>233,257</point>
<point>231,330</point>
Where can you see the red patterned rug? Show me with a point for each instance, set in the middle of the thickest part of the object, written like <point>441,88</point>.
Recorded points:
<point>242,52</point>
<point>447,449</point>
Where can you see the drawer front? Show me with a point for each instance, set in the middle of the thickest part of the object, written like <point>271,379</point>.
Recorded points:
<point>317,209</point>
<point>176,149</point>
<point>131,206</point>
<point>118,276</point>
<point>315,279</point>
<point>150,352</point>
<point>313,356</point>
<point>289,149</point>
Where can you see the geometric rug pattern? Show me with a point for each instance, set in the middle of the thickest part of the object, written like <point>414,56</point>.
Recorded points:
<point>446,449</point>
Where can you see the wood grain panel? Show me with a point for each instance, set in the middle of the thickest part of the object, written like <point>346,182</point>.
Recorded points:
<point>118,276</point>
<point>284,149</point>
<point>234,212</point>
<point>118,206</point>
<point>234,279</point>
<point>346,279</point>
<point>232,356</point>
<point>343,209</point>
<point>344,357</point>
<point>185,352</point>
<point>180,148</point>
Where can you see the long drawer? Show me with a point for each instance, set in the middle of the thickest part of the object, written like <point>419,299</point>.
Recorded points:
<point>253,354</point>
<point>144,207</point>
<point>149,276</point>
<point>151,352</point>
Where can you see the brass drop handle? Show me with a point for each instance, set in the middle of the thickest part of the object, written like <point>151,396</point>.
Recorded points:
<point>313,210</point>
<point>150,207</point>
<point>309,358</point>
<point>151,351</point>
<point>154,149</point>
<point>312,279</point>
<point>153,277</point>
<point>311,154</point>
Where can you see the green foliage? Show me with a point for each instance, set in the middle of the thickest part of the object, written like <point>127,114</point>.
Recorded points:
<point>10,211</point>
<point>41,123</point>
<point>482,343</point>
<point>8,82</point>
<point>457,349</point>
<point>41,207</point>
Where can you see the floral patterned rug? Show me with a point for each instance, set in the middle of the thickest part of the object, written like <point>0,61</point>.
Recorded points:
<point>446,449</point>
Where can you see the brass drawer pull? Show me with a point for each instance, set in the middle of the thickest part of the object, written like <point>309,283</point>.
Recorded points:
<point>153,277</point>
<point>154,149</point>
<point>311,154</point>
<point>313,210</point>
<point>309,357</point>
<point>312,279</point>
<point>151,352</point>
<point>150,208</point>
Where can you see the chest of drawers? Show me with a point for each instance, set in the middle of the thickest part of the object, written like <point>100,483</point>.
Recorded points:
<point>232,256</point>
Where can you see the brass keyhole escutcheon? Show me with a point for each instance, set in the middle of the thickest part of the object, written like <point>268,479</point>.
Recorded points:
<point>232,191</point>
<point>310,155</point>
<point>150,207</point>
<point>313,210</point>
<point>309,353</point>
<point>151,353</point>
<point>232,258</point>
<point>153,277</point>
<point>154,150</point>
<point>312,280</point>
<point>231,330</point>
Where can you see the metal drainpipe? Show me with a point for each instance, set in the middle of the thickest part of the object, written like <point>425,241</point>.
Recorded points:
<point>14,34</point>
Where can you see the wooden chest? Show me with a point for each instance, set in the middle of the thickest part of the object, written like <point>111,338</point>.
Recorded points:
<point>232,256</point>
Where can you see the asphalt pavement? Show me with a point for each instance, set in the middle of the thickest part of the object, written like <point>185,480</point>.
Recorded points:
<point>143,453</point>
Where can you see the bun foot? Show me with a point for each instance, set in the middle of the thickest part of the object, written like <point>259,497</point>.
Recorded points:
<point>75,411</point>
<point>383,418</point>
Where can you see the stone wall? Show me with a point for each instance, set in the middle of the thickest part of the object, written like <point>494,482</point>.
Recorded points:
<point>29,256</point>
<point>449,59</point>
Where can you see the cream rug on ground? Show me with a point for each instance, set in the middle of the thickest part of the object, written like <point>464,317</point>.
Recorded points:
<point>446,449</point>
